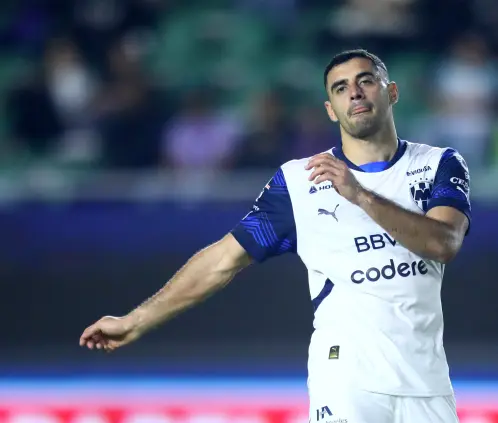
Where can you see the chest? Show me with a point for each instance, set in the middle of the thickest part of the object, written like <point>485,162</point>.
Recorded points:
<point>332,224</point>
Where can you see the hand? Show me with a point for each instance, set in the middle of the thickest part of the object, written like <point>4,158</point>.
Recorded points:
<point>329,168</point>
<point>109,333</point>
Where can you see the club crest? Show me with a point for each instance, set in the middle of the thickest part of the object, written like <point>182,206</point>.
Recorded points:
<point>421,193</point>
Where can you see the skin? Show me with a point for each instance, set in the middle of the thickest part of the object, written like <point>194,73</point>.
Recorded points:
<point>360,101</point>
<point>208,271</point>
<point>367,136</point>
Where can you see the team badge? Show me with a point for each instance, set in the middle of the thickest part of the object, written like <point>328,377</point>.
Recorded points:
<point>421,191</point>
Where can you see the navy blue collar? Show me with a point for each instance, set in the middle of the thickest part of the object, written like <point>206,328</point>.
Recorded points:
<point>402,144</point>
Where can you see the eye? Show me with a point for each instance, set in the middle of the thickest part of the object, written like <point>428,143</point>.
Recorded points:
<point>366,81</point>
<point>340,89</point>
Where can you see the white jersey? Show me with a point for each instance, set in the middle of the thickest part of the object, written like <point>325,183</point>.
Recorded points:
<point>376,303</point>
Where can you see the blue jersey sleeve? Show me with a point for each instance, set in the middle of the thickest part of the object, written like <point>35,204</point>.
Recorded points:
<point>451,184</point>
<point>269,228</point>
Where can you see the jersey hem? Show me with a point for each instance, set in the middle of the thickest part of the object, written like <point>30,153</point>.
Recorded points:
<point>408,393</point>
<point>243,238</point>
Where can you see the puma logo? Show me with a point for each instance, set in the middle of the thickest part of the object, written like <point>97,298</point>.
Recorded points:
<point>329,213</point>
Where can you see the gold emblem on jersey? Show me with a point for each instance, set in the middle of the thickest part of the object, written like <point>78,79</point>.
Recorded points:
<point>334,352</point>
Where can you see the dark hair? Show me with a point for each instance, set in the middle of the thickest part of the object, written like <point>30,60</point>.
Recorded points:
<point>347,55</point>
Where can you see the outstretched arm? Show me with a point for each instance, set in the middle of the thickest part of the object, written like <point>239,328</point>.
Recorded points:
<point>206,272</point>
<point>267,230</point>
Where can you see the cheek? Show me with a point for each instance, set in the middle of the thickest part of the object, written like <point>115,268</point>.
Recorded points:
<point>380,99</point>
<point>336,113</point>
<point>343,118</point>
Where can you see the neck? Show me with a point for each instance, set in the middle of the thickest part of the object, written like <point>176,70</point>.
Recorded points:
<point>380,147</point>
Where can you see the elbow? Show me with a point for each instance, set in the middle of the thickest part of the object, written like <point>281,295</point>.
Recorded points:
<point>446,256</point>
<point>445,242</point>
<point>444,253</point>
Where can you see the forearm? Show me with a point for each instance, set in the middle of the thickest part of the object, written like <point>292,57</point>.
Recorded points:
<point>206,272</point>
<point>420,234</point>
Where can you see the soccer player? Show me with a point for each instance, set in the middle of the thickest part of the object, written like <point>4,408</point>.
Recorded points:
<point>374,221</point>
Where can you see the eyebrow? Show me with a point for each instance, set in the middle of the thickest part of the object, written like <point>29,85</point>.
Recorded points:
<point>344,81</point>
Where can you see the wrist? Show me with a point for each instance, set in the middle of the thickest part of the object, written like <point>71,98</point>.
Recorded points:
<point>364,198</point>
<point>132,321</point>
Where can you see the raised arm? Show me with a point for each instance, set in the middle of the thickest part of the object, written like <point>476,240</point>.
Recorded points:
<point>437,235</point>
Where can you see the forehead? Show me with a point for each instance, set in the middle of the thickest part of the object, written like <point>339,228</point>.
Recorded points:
<point>348,70</point>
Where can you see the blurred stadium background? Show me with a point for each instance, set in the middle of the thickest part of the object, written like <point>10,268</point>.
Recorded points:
<point>134,132</point>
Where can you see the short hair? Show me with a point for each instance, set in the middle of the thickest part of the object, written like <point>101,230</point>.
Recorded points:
<point>347,55</point>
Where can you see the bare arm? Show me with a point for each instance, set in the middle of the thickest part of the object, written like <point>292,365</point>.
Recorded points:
<point>436,236</point>
<point>439,234</point>
<point>268,230</point>
<point>205,273</point>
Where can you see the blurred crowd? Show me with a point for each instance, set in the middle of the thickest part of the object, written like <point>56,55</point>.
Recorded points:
<point>232,84</point>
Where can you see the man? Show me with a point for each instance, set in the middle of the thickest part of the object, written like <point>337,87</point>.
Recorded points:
<point>375,247</point>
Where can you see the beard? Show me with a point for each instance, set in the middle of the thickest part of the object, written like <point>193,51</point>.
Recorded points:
<point>362,126</point>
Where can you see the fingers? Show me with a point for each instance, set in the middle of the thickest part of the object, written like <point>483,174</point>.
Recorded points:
<point>87,335</point>
<point>323,170</point>
<point>92,337</point>
<point>326,177</point>
<point>100,341</point>
<point>317,159</point>
<point>106,334</point>
<point>322,159</point>
<point>325,164</point>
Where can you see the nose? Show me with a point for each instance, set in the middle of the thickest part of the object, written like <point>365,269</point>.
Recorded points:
<point>357,93</point>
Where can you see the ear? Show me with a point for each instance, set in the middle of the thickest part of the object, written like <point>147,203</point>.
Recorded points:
<point>393,93</point>
<point>330,111</point>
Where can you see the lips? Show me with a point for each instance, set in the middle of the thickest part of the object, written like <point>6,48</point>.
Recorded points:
<point>359,109</point>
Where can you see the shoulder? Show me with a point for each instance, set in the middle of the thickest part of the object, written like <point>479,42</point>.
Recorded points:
<point>297,166</point>
<point>295,176</point>
<point>294,166</point>
<point>443,154</point>
<point>451,155</point>
<point>416,149</point>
